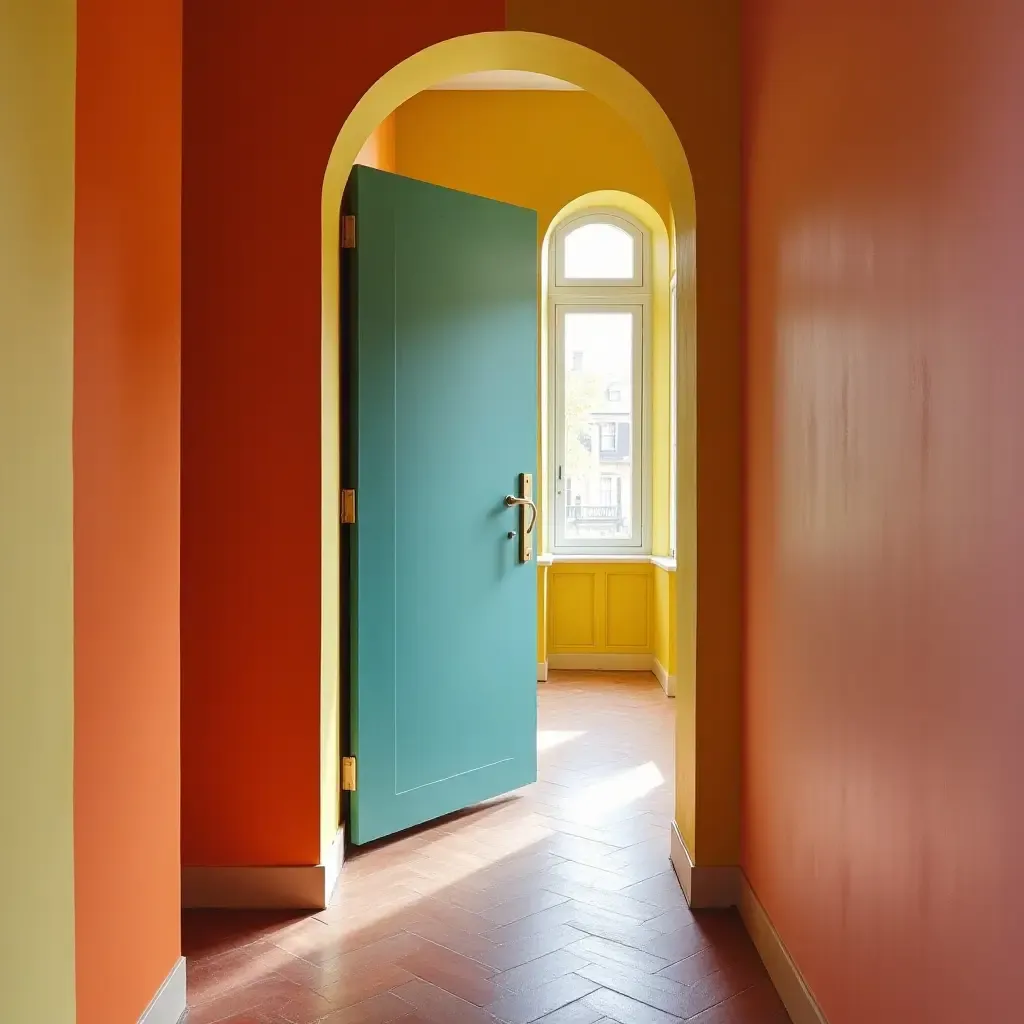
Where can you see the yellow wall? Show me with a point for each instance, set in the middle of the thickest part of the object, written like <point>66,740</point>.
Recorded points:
<point>545,150</point>
<point>535,149</point>
<point>37,82</point>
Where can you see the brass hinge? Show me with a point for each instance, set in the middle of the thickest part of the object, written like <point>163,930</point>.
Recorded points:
<point>348,506</point>
<point>348,231</point>
<point>348,774</point>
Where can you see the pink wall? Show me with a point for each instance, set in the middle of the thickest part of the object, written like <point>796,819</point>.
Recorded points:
<point>885,690</point>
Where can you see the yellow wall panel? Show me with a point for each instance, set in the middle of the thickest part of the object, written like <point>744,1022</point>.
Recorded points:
<point>600,608</point>
<point>628,610</point>
<point>574,610</point>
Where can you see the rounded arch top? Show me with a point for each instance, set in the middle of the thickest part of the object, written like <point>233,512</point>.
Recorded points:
<point>600,246</point>
<point>521,51</point>
<point>607,203</point>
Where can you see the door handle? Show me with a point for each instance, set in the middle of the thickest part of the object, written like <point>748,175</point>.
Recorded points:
<point>524,501</point>
<point>511,500</point>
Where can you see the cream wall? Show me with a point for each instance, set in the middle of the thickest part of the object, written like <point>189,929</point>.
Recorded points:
<point>37,139</point>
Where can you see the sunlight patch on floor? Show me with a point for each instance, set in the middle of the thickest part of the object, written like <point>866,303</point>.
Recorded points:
<point>547,739</point>
<point>620,790</point>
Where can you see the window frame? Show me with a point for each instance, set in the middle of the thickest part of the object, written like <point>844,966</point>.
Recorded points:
<point>612,429</point>
<point>616,218</point>
<point>601,295</point>
<point>673,467</point>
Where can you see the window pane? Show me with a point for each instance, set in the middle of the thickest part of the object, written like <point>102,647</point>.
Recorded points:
<point>598,252</point>
<point>598,426</point>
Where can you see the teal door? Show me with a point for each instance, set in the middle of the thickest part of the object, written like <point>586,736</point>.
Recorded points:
<point>441,418</point>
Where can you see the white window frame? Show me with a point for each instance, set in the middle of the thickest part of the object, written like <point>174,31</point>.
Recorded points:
<point>673,468</point>
<point>614,433</point>
<point>602,295</point>
<point>616,218</point>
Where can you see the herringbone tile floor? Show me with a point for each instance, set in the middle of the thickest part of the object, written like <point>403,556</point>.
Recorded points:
<point>556,904</point>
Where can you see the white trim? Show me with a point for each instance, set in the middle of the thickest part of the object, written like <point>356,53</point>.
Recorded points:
<point>638,307</point>
<point>503,81</point>
<point>168,1005</point>
<point>661,561</point>
<point>708,886</point>
<point>728,886</point>
<point>611,661</point>
<point>673,392</point>
<point>681,863</point>
<point>334,862</point>
<point>786,977</point>
<point>542,671</point>
<point>668,683</point>
<point>272,887</point>
<point>597,559</point>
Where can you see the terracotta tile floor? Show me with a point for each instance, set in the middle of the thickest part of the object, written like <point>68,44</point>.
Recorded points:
<point>555,904</point>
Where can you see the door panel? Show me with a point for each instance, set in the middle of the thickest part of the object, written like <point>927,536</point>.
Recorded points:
<point>441,418</point>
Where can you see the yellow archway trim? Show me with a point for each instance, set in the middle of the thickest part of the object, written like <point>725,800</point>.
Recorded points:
<point>486,51</point>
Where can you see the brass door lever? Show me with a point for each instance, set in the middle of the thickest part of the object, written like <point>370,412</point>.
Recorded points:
<point>524,502</point>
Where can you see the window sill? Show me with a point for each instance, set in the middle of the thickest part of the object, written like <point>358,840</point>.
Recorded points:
<point>661,561</point>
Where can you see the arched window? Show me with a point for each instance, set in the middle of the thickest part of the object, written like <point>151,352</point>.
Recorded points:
<point>599,322</point>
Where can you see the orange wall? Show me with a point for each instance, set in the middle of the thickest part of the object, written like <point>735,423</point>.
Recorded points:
<point>884,147</point>
<point>126,504</point>
<point>254,162</point>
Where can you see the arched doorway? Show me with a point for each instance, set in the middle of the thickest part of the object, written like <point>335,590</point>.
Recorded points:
<point>613,85</point>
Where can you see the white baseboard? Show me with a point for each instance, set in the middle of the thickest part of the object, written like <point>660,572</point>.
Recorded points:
<point>168,1005</point>
<point>727,886</point>
<point>786,977</point>
<point>708,886</point>
<point>285,887</point>
<point>607,662</point>
<point>668,683</point>
<point>542,671</point>
<point>333,864</point>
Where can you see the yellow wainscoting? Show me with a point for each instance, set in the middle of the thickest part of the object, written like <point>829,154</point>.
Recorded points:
<point>599,608</point>
<point>608,615</point>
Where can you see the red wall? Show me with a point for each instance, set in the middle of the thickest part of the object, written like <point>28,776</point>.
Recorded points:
<point>885,705</point>
<point>126,503</point>
<point>267,88</point>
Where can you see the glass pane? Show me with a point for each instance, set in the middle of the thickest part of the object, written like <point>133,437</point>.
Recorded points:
<point>599,434</point>
<point>598,252</point>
